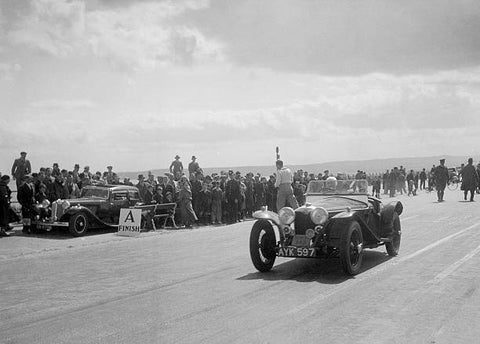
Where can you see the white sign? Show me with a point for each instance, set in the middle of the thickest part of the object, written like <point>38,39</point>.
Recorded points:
<point>129,222</point>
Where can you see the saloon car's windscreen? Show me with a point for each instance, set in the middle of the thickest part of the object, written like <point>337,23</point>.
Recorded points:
<point>334,186</point>
<point>94,193</point>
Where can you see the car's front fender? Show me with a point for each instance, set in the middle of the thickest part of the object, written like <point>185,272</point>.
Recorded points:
<point>81,209</point>
<point>267,215</point>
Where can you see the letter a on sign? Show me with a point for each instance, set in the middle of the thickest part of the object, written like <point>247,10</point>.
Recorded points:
<point>129,217</point>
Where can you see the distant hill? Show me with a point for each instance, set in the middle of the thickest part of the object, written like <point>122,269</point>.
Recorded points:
<point>349,167</point>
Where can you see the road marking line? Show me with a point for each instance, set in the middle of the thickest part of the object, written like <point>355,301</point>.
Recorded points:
<point>451,269</point>
<point>436,243</point>
<point>409,218</point>
<point>372,272</point>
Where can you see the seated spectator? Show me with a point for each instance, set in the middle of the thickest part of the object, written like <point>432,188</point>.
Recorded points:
<point>72,188</point>
<point>41,195</point>
<point>148,196</point>
<point>158,195</point>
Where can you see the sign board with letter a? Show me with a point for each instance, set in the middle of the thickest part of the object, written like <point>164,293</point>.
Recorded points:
<point>129,222</point>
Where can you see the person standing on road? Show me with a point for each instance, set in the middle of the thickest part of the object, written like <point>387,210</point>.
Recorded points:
<point>5,194</point>
<point>423,178</point>
<point>441,177</point>
<point>284,184</point>
<point>232,198</point>
<point>20,168</point>
<point>470,180</point>
<point>386,181</point>
<point>185,200</point>
<point>26,198</point>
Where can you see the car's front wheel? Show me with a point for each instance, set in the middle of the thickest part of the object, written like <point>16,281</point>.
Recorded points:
<point>78,224</point>
<point>262,245</point>
<point>351,249</point>
<point>394,246</point>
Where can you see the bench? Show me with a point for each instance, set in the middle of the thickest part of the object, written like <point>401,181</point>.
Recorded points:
<point>153,212</point>
<point>164,211</point>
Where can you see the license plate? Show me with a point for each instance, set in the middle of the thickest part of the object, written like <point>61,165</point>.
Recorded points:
<point>293,251</point>
<point>44,226</point>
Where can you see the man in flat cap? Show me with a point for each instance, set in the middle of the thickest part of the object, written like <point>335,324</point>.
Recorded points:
<point>20,168</point>
<point>441,177</point>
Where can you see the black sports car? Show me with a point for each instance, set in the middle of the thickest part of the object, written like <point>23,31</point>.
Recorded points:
<point>338,220</point>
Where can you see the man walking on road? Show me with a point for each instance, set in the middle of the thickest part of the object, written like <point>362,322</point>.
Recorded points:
<point>284,184</point>
<point>441,177</point>
<point>470,180</point>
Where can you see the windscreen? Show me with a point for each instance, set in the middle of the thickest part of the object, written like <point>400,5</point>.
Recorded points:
<point>88,192</point>
<point>332,186</point>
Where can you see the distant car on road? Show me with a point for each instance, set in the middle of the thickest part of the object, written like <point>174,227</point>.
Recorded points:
<point>339,220</point>
<point>98,207</point>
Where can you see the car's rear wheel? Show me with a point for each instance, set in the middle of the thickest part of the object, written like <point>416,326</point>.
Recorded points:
<point>78,224</point>
<point>262,245</point>
<point>394,246</point>
<point>351,249</point>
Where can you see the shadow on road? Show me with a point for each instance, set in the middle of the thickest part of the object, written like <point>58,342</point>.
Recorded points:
<point>59,234</point>
<point>325,271</point>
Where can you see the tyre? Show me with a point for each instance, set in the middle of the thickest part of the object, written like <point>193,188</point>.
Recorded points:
<point>78,224</point>
<point>452,186</point>
<point>262,245</point>
<point>351,249</point>
<point>394,246</point>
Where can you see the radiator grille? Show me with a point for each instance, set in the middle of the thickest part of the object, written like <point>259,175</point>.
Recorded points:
<point>57,211</point>
<point>302,223</point>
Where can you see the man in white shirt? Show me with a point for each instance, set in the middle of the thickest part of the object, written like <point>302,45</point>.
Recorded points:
<point>284,184</point>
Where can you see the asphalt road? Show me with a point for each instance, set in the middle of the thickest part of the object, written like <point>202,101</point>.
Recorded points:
<point>199,286</point>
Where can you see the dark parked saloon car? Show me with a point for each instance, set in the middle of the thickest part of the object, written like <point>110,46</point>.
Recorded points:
<point>98,207</point>
<point>339,220</point>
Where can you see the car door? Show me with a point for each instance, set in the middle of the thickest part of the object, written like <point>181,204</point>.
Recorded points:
<point>133,197</point>
<point>119,200</point>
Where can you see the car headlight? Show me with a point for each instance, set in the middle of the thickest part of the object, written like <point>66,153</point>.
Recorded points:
<point>319,216</point>
<point>286,215</point>
<point>65,205</point>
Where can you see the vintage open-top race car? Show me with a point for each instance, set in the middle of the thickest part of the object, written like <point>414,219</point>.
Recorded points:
<point>338,220</point>
<point>98,207</point>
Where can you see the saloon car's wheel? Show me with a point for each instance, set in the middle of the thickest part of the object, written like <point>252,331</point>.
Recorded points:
<point>394,246</point>
<point>78,224</point>
<point>351,249</point>
<point>262,245</point>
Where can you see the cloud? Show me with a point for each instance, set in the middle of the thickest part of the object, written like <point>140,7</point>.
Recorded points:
<point>141,36</point>
<point>8,70</point>
<point>343,37</point>
<point>58,105</point>
<point>53,26</point>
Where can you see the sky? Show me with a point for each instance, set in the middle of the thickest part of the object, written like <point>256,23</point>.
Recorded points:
<point>134,83</point>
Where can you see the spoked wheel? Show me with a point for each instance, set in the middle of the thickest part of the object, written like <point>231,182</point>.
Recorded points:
<point>351,249</point>
<point>394,246</point>
<point>262,245</point>
<point>453,185</point>
<point>78,224</point>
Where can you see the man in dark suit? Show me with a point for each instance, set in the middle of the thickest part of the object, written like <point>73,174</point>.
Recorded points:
<point>441,177</point>
<point>26,198</point>
<point>232,197</point>
<point>20,168</point>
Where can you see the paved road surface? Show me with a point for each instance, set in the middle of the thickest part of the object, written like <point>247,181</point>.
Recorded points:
<point>199,286</point>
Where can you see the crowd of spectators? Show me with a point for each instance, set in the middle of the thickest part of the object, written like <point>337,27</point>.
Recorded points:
<point>224,197</point>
